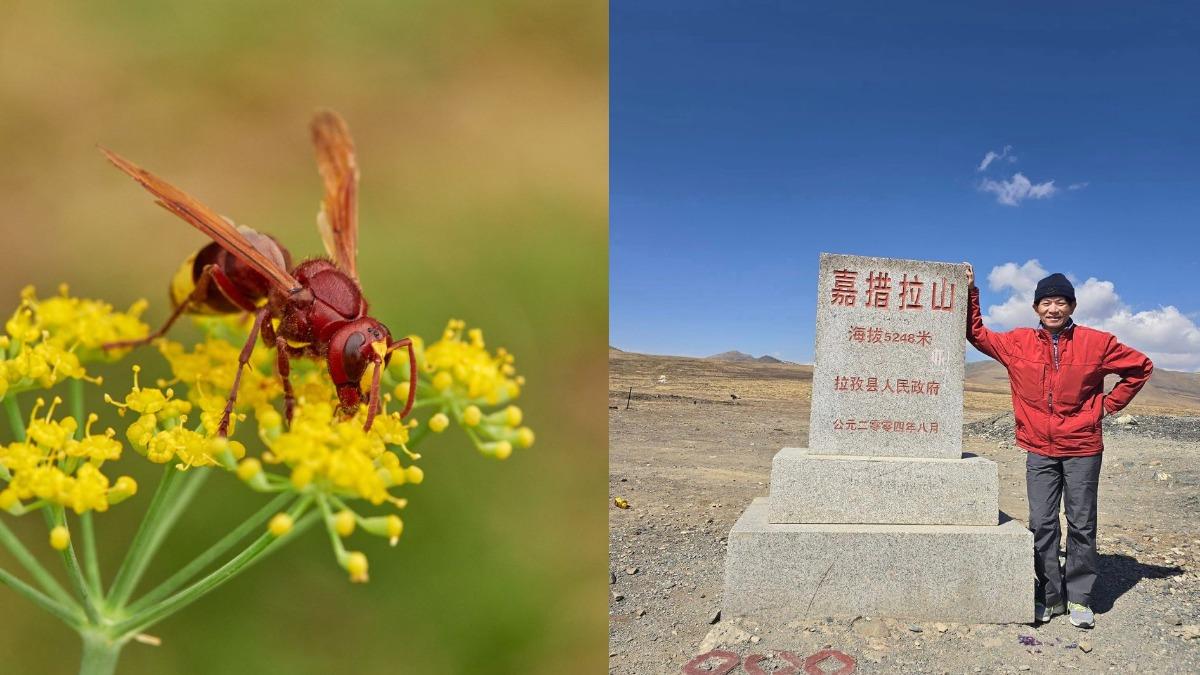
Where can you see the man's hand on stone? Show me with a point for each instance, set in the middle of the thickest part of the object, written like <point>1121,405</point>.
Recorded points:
<point>970,275</point>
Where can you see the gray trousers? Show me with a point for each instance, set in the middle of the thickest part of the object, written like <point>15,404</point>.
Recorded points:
<point>1074,481</point>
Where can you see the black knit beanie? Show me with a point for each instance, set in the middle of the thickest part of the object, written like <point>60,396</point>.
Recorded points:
<point>1055,284</point>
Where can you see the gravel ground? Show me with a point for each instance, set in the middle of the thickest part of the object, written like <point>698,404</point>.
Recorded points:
<point>688,466</point>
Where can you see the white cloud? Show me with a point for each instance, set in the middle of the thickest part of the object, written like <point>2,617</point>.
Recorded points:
<point>1169,337</point>
<point>992,156</point>
<point>1018,189</point>
<point>1077,186</point>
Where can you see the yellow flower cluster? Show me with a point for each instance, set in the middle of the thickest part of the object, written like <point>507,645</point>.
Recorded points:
<point>55,467</point>
<point>467,368</point>
<point>337,457</point>
<point>160,433</point>
<point>465,375</point>
<point>48,340</point>
<point>208,370</point>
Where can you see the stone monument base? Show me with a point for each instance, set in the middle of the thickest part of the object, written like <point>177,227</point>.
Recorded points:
<point>808,487</point>
<point>965,573</point>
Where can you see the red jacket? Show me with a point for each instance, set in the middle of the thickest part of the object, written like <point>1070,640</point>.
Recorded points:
<point>1058,405</point>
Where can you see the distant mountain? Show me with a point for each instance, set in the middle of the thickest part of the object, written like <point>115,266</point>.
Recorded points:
<point>731,356</point>
<point>742,357</point>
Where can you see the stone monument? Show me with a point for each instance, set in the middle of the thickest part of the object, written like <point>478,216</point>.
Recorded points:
<point>882,515</point>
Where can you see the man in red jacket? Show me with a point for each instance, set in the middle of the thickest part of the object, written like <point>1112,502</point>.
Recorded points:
<point>1057,375</point>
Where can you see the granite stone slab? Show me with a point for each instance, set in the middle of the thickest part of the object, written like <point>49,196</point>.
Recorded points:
<point>814,488</point>
<point>965,573</point>
<point>888,361</point>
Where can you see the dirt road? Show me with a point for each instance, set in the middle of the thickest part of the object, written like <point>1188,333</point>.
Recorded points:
<point>694,447</point>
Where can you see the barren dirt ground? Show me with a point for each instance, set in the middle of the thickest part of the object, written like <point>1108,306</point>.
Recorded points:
<point>688,458</point>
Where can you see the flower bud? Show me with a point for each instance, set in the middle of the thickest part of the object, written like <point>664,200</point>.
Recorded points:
<point>123,489</point>
<point>472,416</point>
<point>414,475</point>
<point>438,423</point>
<point>356,565</point>
<point>442,381</point>
<point>249,468</point>
<point>281,524</point>
<point>343,523</point>
<point>60,538</point>
<point>525,437</point>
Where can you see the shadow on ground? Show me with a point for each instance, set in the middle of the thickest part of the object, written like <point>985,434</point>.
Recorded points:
<point>1119,573</point>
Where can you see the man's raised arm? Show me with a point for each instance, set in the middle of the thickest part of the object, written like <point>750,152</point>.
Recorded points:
<point>984,339</point>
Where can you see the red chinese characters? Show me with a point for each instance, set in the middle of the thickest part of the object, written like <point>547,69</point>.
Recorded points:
<point>873,335</point>
<point>844,292</point>
<point>888,426</point>
<point>877,291</point>
<point>909,386</point>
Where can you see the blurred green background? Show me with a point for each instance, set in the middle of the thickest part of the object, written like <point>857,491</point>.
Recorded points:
<point>482,132</point>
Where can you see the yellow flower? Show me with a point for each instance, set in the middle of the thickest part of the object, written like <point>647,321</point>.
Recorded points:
<point>281,524</point>
<point>41,469</point>
<point>209,368</point>
<point>60,538</point>
<point>472,416</point>
<point>438,423</point>
<point>466,367</point>
<point>343,523</point>
<point>64,325</point>
<point>525,437</point>
<point>356,564</point>
<point>337,456</point>
<point>249,468</point>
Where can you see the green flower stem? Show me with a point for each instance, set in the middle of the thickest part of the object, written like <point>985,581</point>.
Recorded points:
<point>338,547</point>
<point>136,558</point>
<point>69,614</point>
<point>91,564</point>
<point>30,563</point>
<point>75,393</point>
<point>100,653</point>
<point>74,574</point>
<point>179,502</point>
<point>15,419</point>
<point>208,557</point>
<point>264,545</point>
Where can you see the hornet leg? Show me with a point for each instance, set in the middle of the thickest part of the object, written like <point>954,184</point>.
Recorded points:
<point>198,294</point>
<point>243,359</point>
<point>412,372</point>
<point>284,366</point>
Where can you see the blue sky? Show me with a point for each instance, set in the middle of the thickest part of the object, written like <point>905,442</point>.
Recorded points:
<point>748,137</point>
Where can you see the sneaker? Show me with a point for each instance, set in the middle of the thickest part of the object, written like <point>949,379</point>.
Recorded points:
<point>1042,613</point>
<point>1081,615</point>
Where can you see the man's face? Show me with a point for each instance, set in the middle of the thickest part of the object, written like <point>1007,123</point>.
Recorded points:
<point>1054,311</point>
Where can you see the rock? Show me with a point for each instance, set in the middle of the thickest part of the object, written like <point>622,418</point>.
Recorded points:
<point>715,617</point>
<point>1161,475</point>
<point>870,628</point>
<point>640,612</point>
<point>724,633</point>
<point>941,627</point>
<point>612,577</point>
<point>618,597</point>
<point>631,571</point>
<point>1126,420</point>
<point>1085,647</point>
<point>1023,668</point>
<point>621,502</point>
<point>914,628</point>
<point>1190,632</point>
<point>754,639</point>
